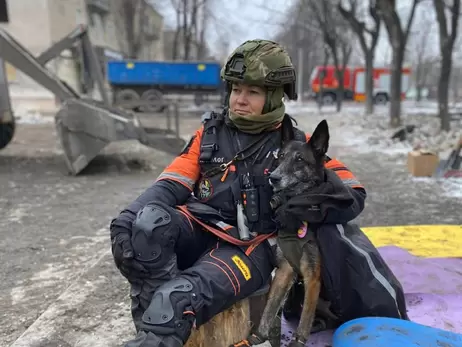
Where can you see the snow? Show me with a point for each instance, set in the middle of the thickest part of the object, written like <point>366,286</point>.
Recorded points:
<point>350,129</point>
<point>19,92</point>
<point>25,115</point>
<point>453,187</point>
<point>372,133</point>
<point>355,133</point>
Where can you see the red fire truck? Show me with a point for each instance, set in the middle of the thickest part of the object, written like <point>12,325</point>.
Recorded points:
<point>354,84</point>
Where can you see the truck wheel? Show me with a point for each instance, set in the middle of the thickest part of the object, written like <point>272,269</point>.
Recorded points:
<point>381,99</point>
<point>156,98</point>
<point>6,133</point>
<point>126,96</point>
<point>328,99</point>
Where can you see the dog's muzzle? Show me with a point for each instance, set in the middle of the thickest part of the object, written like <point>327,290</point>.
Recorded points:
<point>274,179</point>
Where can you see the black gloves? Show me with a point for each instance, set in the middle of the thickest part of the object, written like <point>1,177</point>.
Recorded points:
<point>123,254</point>
<point>312,206</point>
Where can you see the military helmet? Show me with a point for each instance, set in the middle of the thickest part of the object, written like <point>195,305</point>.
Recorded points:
<point>263,63</point>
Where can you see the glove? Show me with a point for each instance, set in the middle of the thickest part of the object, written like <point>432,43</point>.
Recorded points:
<point>313,205</point>
<point>122,252</point>
<point>286,220</point>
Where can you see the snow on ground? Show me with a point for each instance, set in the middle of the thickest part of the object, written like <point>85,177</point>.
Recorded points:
<point>27,113</point>
<point>362,135</point>
<point>57,243</point>
<point>452,186</point>
<point>350,128</point>
<point>32,117</point>
<point>373,134</point>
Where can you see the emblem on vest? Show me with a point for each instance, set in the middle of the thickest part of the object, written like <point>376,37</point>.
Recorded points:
<point>218,160</point>
<point>205,189</point>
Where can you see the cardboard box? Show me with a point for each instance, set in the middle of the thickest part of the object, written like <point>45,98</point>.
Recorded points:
<point>422,163</point>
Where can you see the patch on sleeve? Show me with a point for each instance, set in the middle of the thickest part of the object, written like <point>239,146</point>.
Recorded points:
<point>188,145</point>
<point>243,268</point>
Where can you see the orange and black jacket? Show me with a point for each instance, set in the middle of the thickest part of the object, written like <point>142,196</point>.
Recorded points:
<point>181,178</point>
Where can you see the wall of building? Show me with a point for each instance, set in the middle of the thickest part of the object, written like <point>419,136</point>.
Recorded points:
<point>153,49</point>
<point>38,24</point>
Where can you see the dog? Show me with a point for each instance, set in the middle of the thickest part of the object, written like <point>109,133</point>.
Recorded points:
<point>300,168</point>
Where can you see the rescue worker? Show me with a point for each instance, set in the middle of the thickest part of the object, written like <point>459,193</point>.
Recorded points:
<point>198,240</point>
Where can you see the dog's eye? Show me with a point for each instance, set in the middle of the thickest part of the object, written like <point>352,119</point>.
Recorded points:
<point>298,157</point>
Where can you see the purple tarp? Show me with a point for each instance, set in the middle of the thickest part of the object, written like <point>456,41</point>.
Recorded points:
<point>433,289</point>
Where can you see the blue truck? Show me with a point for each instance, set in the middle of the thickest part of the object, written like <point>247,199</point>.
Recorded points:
<point>141,85</point>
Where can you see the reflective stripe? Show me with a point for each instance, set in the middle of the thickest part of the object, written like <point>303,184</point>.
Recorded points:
<point>223,225</point>
<point>177,177</point>
<point>351,182</point>
<point>378,276</point>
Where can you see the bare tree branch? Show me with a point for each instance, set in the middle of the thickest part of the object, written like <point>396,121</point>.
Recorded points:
<point>336,36</point>
<point>131,20</point>
<point>447,40</point>
<point>398,37</point>
<point>360,29</point>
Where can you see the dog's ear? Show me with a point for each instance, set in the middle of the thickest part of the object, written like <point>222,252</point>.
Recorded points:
<point>319,141</point>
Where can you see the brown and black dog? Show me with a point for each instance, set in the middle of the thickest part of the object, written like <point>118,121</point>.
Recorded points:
<point>300,169</point>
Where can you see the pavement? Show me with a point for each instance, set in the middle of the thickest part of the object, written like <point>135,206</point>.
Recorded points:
<point>60,287</point>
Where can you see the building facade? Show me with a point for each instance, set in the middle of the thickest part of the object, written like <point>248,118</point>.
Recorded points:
<point>37,24</point>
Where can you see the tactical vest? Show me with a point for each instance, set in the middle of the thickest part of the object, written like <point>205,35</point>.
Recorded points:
<point>224,180</point>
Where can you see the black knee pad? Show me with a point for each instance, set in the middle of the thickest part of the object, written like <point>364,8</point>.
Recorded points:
<point>154,233</point>
<point>171,309</point>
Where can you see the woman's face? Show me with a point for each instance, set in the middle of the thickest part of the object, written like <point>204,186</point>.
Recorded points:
<point>246,100</point>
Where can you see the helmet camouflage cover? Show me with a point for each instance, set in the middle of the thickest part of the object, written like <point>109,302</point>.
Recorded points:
<point>263,63</point>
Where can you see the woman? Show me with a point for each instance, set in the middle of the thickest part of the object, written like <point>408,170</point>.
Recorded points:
<point>197,240</point>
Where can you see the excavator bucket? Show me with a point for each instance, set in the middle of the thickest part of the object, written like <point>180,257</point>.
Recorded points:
<point>85,126</point>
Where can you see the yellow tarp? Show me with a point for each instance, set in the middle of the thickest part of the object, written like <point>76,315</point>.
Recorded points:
<point>433,241</point>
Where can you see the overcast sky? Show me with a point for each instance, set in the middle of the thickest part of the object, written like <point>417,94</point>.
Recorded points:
<point>239,20</point>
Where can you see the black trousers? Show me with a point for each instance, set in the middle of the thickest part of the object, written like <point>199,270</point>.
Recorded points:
<point>220,271</point>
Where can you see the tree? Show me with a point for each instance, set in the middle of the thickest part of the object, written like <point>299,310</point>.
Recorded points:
<point>295,30</point>
<point>362,31</point>
<point>398,36</point>
<point>336,36</point>
<point>192,19</point>
<point>420,49</point>
<point>131,20</point>
<point>203,22</point>
<point>447,39</point>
